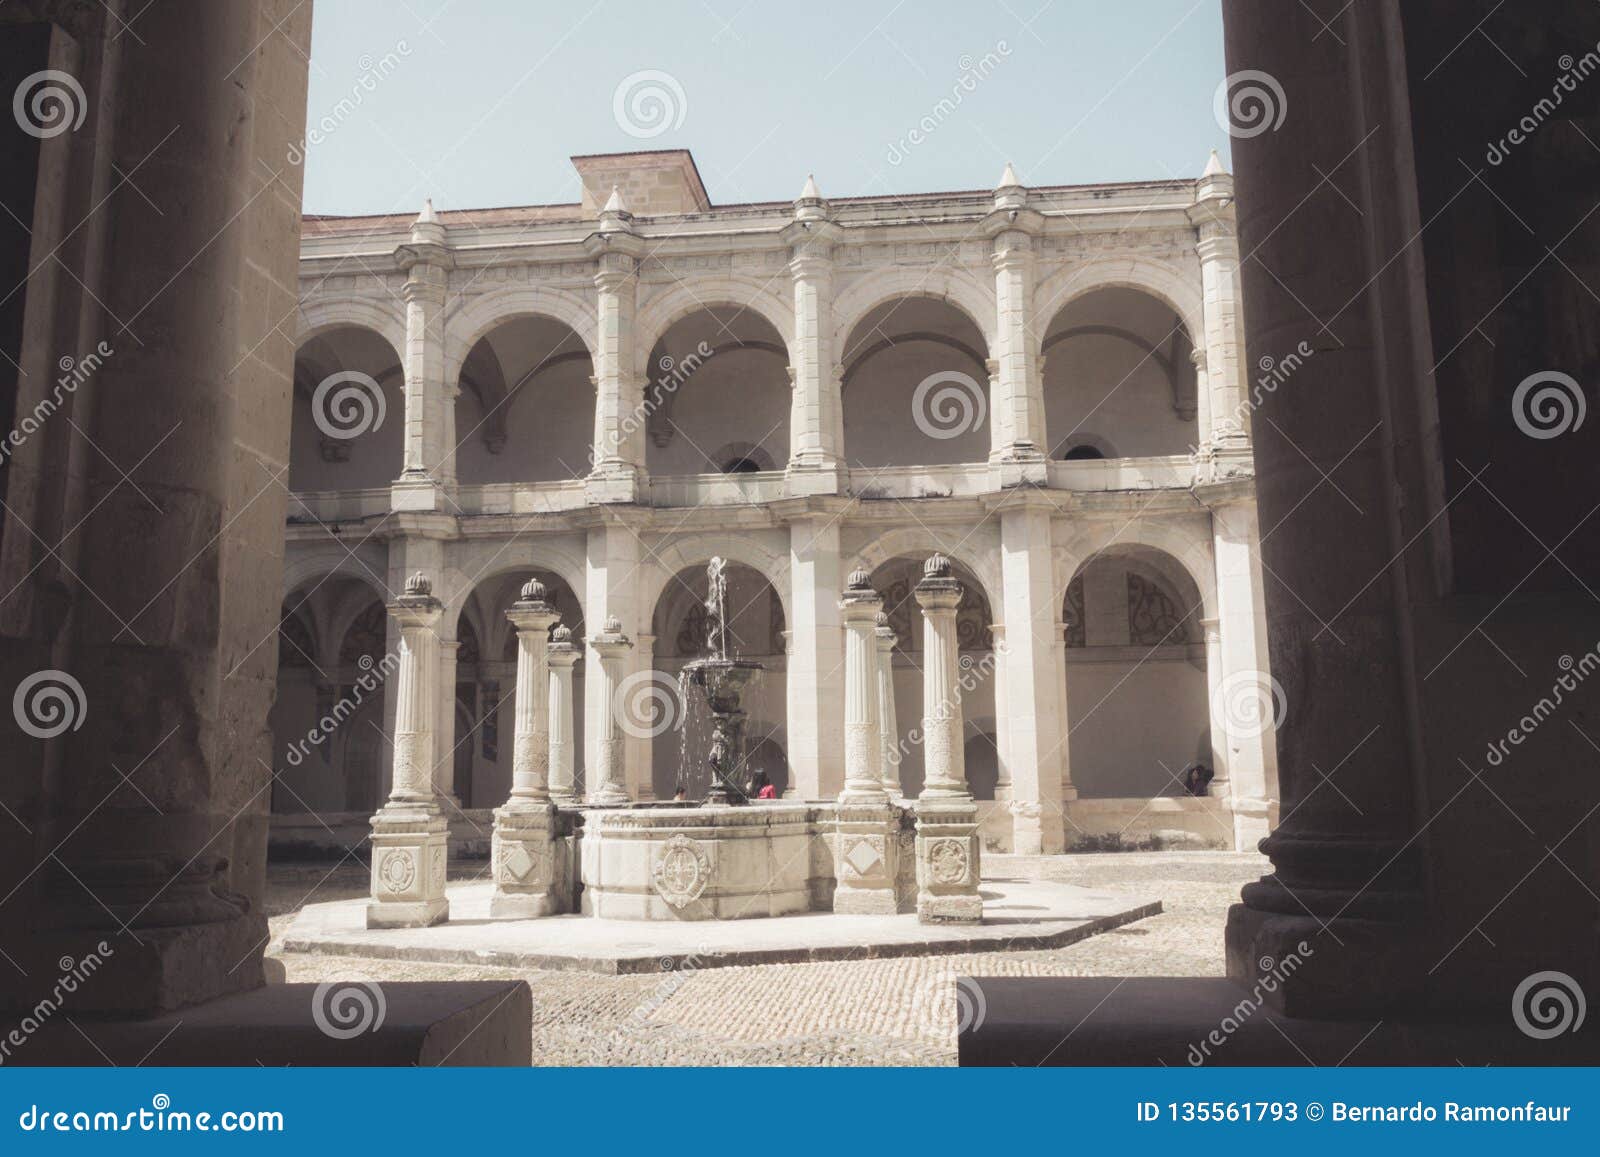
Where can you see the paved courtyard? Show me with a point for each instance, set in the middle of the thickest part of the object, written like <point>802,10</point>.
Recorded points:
<point>868,1012</point>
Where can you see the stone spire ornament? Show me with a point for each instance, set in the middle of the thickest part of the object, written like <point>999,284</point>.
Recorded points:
<point>810,206</point>
<point>615,217</point>
<point>1213,166</point>
<point>1009,193</point>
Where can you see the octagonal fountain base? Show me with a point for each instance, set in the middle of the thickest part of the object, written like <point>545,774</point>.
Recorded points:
<point>706,863</point>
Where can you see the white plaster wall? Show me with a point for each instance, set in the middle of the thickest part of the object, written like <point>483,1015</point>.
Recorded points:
<point>1135,724</point>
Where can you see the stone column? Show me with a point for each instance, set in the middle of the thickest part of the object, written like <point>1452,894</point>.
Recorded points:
<point>815,415</point>
<point>866,844</point>
<point>525,872</point>
<point>562,657</point>
<point>642,746</point>
<point>1002,713</point>
<point>1221,369</point>
<point>1058,647</point>
<point>427,481</point>
<point>1246,701</point>
<point>608,770</point>
<point>947,817</point>
<point>444,755</point>
<point>1017,400</point>
<point>815,690</point>
<point>1032,693</point>
<point>612,578</point>
<point>410,835</point>
<point>888,724</point>
<point>618,473</point>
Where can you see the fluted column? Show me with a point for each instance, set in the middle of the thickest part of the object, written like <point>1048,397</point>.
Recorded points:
<point>888,724</point>
<point>524,858</point>
<point>562,657</point>
<point>947,817</point>
<point>863,739</point>
<point>409,833</point>
<point>428,475</point>
<point>620,415</point>
<point>609,774</point>
<point>815,414</point>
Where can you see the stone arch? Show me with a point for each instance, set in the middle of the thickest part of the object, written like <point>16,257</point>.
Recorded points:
<point>1187,547</point>
<point>684,297</point>
<point>1103,445</point>
<point>456,585</point>
<point>480,315</point>
<point>697,550</point>
<point>1164,282</point>
<point>956,288</point>
<point>318,315</point>
<point>302,568</point>
<point>917,542</point>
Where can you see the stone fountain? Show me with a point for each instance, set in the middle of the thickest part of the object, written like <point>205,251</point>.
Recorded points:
<point>722,680</point>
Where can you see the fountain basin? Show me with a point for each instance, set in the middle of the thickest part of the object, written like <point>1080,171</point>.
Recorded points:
<point>706,863</point>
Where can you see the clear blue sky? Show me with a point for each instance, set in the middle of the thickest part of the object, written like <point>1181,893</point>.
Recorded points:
<point>483,101</point>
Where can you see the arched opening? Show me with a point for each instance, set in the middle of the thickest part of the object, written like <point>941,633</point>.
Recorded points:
<point>327,719</point>
<point>1136,675</point>
<point>1083,453</point>
<point>916,386</point>
<point>717,376</point>
<point>1117,362</point>
<point>486,684</point>
<point>755,629</point>
<point>896,581</point>
<point>525,410</point>
<point>347,428</point>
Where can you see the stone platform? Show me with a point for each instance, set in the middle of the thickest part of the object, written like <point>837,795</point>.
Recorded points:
<point>1018,914</point>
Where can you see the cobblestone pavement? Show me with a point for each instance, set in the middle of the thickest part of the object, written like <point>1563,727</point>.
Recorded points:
<point>868,1012</point>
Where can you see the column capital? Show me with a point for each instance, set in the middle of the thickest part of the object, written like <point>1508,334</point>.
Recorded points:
<point>562,652</point>
<point>416,606</point>
<point>611,642</point>
<point>530,612</point>
<point>860,602</point>
<point>939,589</point>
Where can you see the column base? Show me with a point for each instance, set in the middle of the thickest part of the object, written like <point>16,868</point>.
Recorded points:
<point>614,797</point>
<point>614,483</point>
<point>523,854</point>
<point>869,859</point>
<point>410,847</point>
<point>808,478</point>
<point>1036,830</point>
<point>1015,468</point>
<point>948,861</point>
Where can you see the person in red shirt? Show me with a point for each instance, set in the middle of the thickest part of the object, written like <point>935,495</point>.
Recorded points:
<point>762,785</point>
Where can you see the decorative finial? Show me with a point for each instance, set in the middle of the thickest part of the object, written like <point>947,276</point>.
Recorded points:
<point>418,586</point>
<point>613,625</point>
<point>859,580</point>
<point>427,216</point>
<point>1008,179</point>
<point>615,203</point>
<point>1213,166</point>
<point>811,192</point>
<point>562,634</point>
<point>883,620</point>
<point>533,591</point>
<point>937,566</point>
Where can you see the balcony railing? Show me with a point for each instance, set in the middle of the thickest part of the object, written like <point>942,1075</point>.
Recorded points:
<point>961,480</point>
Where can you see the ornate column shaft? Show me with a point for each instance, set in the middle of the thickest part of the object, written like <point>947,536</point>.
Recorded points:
<point>562,657</point>
<point>863,739</point>
<point>1221,366</point>
<point>816,410</point>
<point>641,743</point>
<point>1016,419</point>
<point>888,725</point>
<point>525,869</point>
<point>620,413</point>
<point>608,776</point>
<point>409,833</point>
<point>947,817</point>
<point>428,474</point>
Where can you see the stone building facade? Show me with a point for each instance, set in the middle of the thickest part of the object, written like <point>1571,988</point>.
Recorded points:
<point>1045,385</point>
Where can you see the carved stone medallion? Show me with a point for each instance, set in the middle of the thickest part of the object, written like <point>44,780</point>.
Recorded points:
<point>681,871</point>
<point>948,861</point>
<point>397,870</point>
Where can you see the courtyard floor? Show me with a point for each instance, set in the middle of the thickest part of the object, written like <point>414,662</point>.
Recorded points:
<point>868,1012</point>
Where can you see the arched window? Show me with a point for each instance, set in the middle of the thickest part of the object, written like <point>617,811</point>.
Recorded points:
<point>742,466</point>
<point>1083,453</point>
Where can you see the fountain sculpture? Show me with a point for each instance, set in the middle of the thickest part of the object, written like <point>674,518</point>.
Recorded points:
<point>722,680</point>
